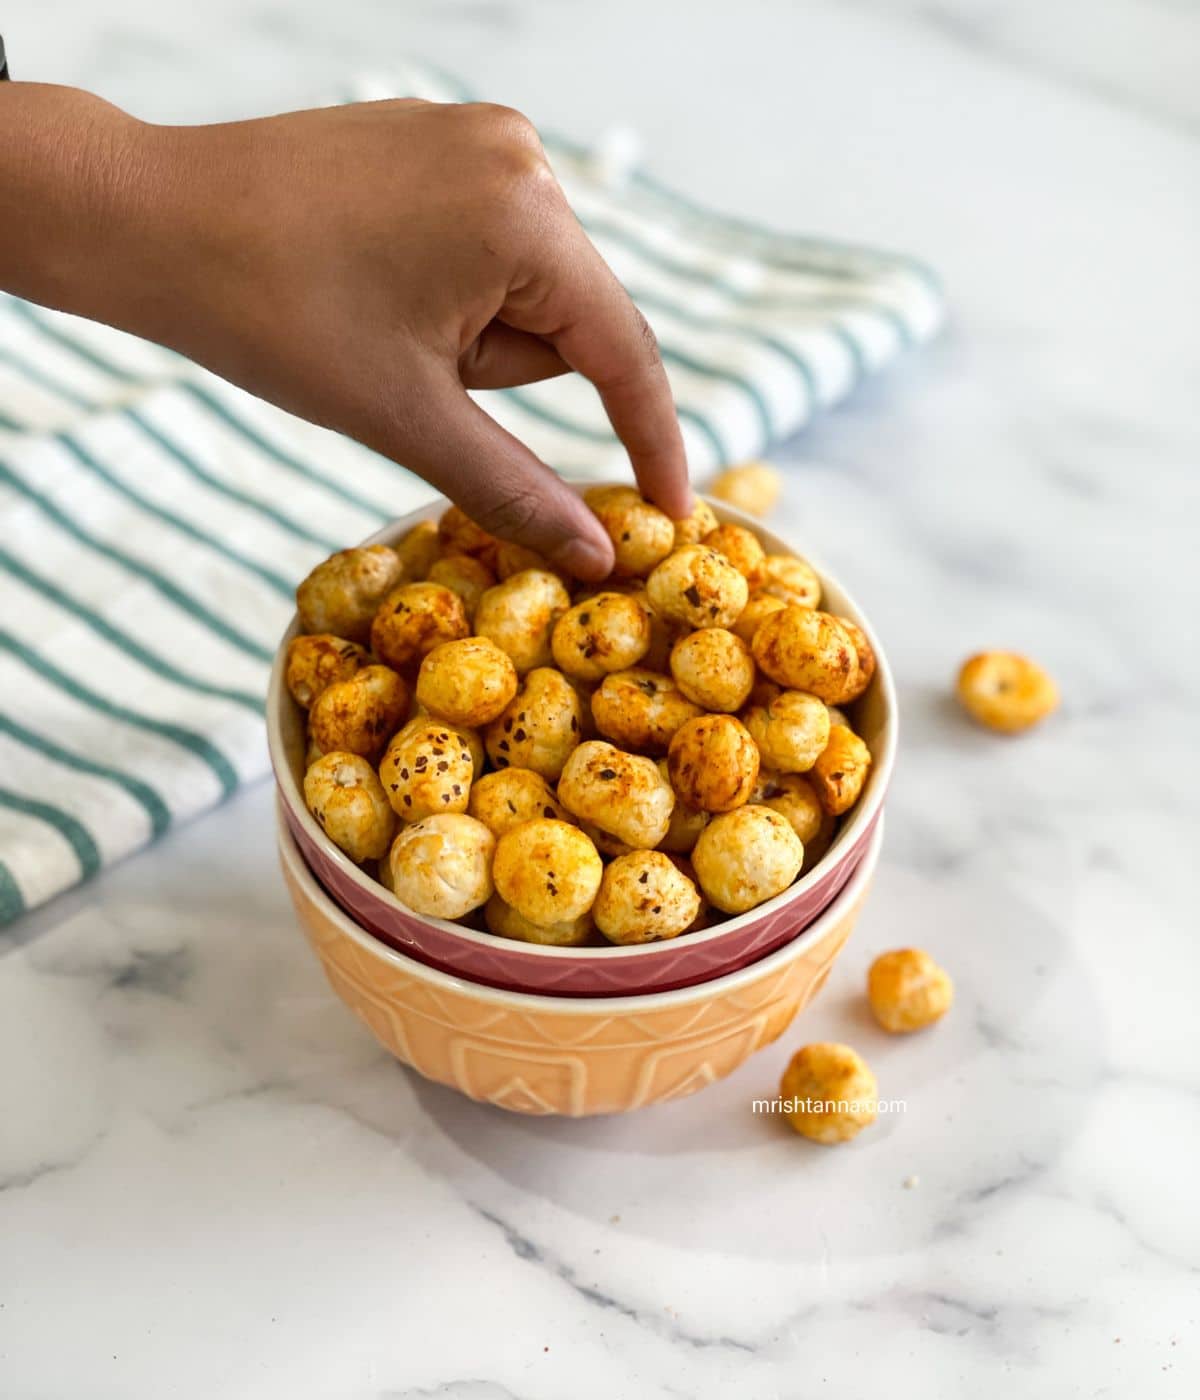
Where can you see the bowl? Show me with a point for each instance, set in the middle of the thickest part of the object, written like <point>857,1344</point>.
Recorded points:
<point>574,1056</point>
<point>592,971</point>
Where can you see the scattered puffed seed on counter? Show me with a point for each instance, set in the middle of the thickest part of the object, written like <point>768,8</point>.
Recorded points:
<point>753,487</point>
<point>908,990</point>
<point>1005,691</point>
<point>829,1093</point>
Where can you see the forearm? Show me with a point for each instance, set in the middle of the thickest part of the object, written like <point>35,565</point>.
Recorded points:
<point>83,218</point>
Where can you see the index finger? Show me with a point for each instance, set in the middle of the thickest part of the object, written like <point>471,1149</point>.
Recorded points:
<point>588,317</point>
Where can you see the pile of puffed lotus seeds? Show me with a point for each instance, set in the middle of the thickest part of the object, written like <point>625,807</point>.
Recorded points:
<point>577,763</point>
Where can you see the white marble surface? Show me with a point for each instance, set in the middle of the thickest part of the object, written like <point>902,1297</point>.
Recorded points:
<point>213,1184</point>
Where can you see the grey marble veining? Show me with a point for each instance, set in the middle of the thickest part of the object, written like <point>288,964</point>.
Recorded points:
<point>211,1182</point>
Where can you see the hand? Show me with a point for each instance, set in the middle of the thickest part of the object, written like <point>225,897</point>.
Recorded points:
<point>363,267</point>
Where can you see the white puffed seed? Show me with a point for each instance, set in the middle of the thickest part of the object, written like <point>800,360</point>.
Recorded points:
<point>441,866</point>
<point>349,804</point>
<point>746,857</point>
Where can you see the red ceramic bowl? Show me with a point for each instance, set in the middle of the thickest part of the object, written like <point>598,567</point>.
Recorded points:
<point>608,971</point>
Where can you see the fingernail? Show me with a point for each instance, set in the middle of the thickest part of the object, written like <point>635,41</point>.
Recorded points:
<point>586,559</point>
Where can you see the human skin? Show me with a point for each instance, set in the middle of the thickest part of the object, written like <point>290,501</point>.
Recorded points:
<point>360,266</point>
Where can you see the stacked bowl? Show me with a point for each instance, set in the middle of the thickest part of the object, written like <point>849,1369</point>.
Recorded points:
<point>578,1030</point>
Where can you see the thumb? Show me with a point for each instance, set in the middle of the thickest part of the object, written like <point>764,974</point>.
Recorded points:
<point>449,440</point>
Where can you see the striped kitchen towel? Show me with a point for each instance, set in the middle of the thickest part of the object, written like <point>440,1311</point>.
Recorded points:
<point>154,521</point>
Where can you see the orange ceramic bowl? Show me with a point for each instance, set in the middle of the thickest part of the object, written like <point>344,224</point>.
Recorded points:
<point>568,1055</point>
<point>593,971</point>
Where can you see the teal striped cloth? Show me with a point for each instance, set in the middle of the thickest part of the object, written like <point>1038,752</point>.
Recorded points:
<point>154,521</point>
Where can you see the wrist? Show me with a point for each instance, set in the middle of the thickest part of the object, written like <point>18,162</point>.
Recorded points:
<point>82,213</point>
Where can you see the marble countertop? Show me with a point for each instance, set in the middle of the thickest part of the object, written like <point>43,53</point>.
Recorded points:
<point>213,1183</point>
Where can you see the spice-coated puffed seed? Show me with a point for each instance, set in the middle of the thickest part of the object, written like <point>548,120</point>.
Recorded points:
<point>622,793</point>
<point>791,580</point>
<point>547,870</point>
<point>506,922</point>
<point>841,770</point>
<point>803,649</point>
<point>791,732</point>
<point>515,559</point>
<point>664,633</point>
<point>713,763</point>
<point>359,715</point>
<point>743,550</point>
<point>696,524</point>
<point>865,656</point>
<point>604,842</point>
<point>427,769</point>
<point>317,660</point>
<point>641,534</point>
<point>714,668</point>
<point>418,549</point>
<point>793,796</point>
<point>640,710</point>
<point>514,795</point>
<point>415,618</point>
<point>460,535</point>
<point>699,586</point>
<point>541,726</point>
<point>466,682</point>
<point>467,577</point>
<point>519,615</point>
<point>908,990</point>
<point>341,594</point>
<point>609,632</point>
<point>1005,691</point>
<point>758,608</point>
<point>829,1093</point>
<point>644,897</point>
<point>686,824</point>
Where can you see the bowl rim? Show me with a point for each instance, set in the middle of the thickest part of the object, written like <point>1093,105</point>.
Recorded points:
<point>860,818</point>
<point>542,1002</point>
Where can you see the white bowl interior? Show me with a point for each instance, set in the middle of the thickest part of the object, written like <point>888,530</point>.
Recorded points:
<point>874,719</point>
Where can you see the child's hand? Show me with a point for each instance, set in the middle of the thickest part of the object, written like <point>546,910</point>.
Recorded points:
<point>363,266</point>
